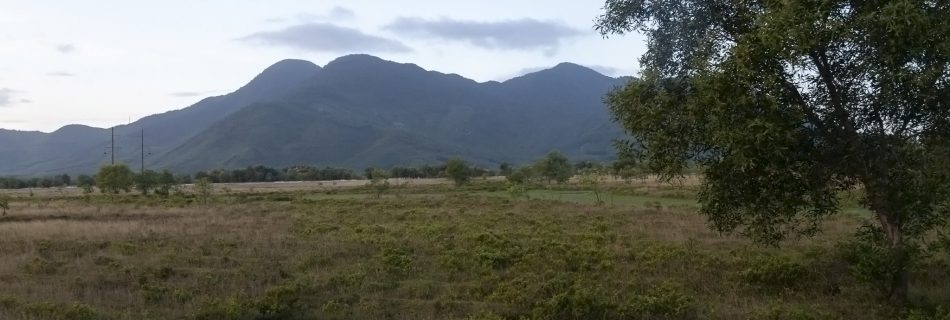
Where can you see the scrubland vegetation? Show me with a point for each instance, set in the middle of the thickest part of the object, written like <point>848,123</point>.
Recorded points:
<point>632,250</point>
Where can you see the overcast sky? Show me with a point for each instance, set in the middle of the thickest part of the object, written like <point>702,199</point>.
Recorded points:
<point>106,62</point>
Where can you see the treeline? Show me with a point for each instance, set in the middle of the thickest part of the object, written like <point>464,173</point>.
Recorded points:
<point>554,167</point>
<point>428,172</point>
<point>268,174</point>
<point>44,182</point>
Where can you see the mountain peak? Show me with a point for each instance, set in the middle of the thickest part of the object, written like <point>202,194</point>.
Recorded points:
<point>357,58</point>
<point>287,67</point>
<point>573,68</point>
<point>283,74</point>
<point>564,71</point>
<point>355,62</point>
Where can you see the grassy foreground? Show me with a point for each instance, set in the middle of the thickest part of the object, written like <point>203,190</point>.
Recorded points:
<point>421,252</point>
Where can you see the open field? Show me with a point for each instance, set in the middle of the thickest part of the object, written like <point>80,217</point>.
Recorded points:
<point>421,251</point>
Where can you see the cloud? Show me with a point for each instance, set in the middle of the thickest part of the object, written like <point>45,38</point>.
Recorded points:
<point>341,13</point>
<point>325,37</point>
<point>65,48</point>
<point>523,34</point>
<point>9,97</point>
<point>60,74</point>
<point>335,14</point>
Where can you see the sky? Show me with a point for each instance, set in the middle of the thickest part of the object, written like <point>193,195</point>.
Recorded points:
<point>108,62</point>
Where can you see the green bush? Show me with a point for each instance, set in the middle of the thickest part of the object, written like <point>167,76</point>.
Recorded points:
<point>4,204</point>
<point>396,261</point>
<point>485,315</point>
<point>794,313</point>
<point>939,313</point>
<point>777,272</point>
<point>872,260</point>
<point>663,302</point>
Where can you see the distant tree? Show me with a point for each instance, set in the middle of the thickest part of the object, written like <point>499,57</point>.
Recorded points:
<point>379,181</point>
<point>555,167</point>
<point>86,183</point>
<point>505,169</point>
<point>114,178</point>
<point>164,183</point>
<point>146,181</point>
<point>4,204</point>
<point>62,180</point>
<point>184,179</point>
<point>594,178</point>
<point>457,170</point>
<point>786,104</point>
<point>204,188</point>
<point>524,175</point>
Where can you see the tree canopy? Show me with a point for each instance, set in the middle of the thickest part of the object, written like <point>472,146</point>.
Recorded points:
<point>555,167</point>
<point>787,103</point>
<point>114,178</point>
<point>457,170</point>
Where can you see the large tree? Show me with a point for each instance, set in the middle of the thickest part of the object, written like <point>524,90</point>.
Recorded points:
<point>787,103</point>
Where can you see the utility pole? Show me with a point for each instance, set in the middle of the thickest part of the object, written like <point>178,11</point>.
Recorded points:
<point>143,151</point>
<point>113,146</point>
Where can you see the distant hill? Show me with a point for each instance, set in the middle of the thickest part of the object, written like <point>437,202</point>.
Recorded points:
<point>355,112</point>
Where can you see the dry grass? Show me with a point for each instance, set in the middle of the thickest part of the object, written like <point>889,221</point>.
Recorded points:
<point>446,254</point>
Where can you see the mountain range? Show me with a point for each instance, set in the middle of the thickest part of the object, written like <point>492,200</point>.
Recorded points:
<point>355,112</point>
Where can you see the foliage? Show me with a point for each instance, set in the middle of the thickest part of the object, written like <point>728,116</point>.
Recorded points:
<point>525,175</point>
<point>379,181</point>
<point>146,181</point>
<point>86,182</point>
<point>872,259</point>
<point>787,104</point>
<point>516,190</point>
<point>114,178</point>
<point>35,182</point>
<point>777,273</point>
<point>555,167</point>
<point>164,183</point>
<point>204,189</point>
<point>505,169</point>
<point>594,179</point>
<point>457,170</point>
<point>4,204</point>
<point>268,174</point>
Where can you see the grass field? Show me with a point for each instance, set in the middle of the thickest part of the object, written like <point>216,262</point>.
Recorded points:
<point>423,251</point>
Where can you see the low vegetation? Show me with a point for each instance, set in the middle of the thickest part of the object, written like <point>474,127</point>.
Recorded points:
<point>427,252</point>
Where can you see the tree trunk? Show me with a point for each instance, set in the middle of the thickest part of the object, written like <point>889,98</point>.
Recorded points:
<point>900,279</point>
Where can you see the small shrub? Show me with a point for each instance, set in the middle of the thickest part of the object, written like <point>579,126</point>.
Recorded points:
<point>4,204</point>
<point>775,272</point>
<point>279,302</point>
<point>516,190</point>
<point>204,189</point>
<point>663,302</point>
<point>939,313</point>
<point>379,182</point>
<point>396,261</point>
<point>575,303</point>
<point>872,260</point>
<point>795,313</point>
<point>485,315</point>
